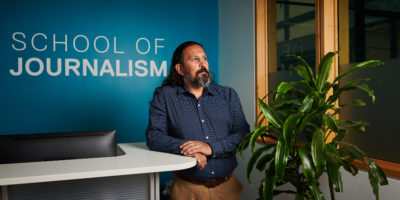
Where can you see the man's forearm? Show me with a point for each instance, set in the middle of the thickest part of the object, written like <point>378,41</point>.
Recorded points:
<point>192,147</point>
<point>164,143</point>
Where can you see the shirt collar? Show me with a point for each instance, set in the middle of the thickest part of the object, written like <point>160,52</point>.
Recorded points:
<point>210,90</point>
<point>207,90</point>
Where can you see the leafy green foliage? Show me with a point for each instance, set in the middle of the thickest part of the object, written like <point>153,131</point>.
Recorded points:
<point>254,158</point>
<point>335,175</point>
<point>307,165</point>
<point>301,115</point>
<point>318,149</point>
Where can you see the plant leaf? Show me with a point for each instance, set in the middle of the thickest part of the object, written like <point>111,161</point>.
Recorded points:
<point>289,128</point>
<point>351,85</point>
<point>281,158</point>
<point>281,103</point>
<point>354,153</point>
<point>306,165</point>
<point>368,90</point>
<point>318,149</point>
<point>351,155</point>
<point>255,135</point>
<point>304,84</point>
<point>324,69</point>
<point>350,167</point>
<point>269,184</point>
<point>330,121</point>
<point>260,122</point>
<point>374,184</point>
<point>307,68</point>
<point>370,63</point>
<point>270,114</point>
<point>335,175</point>
<point>358,102</point>
<point>306,120</point>
<point>378,173</point>
<point>263,161</point>
<point>301,71</point>
<point>243,144</point>
<point>316,193</point>
<point>332,153</point>
<point>339,137</point>
<point>253,160</point>
<point>358,126</point>
<point>283,88</point>
<point>307,104</point>
<point>299,195</point>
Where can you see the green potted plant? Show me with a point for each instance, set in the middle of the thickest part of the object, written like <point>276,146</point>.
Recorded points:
<point>301,116</point>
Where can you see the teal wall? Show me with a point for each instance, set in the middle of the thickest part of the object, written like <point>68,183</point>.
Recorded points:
<point>131,41</point>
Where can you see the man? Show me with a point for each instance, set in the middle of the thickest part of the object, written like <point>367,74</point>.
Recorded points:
<point>192,116</point>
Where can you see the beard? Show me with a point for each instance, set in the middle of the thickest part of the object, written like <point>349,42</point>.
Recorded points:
<point>203,80</point>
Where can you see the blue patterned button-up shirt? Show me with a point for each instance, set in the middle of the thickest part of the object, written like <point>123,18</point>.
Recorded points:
<point>216,118</point>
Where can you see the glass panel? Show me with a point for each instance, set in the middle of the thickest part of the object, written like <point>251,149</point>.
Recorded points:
<point>385,5</point>
<point>374,33</point>
<point>295,25</point>
<point>295,34</point>
<point>374,29</point>
<point>377,37</point>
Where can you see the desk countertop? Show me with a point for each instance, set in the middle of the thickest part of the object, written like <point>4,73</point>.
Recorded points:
<point>137,160</point>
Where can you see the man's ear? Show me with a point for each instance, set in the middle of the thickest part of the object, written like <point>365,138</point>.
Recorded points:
<point>178,68</point>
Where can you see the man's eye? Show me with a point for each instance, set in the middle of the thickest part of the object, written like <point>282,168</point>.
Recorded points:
<point>196,59</point>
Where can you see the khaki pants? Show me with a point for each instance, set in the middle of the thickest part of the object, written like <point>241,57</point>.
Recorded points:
<point>184,190</point>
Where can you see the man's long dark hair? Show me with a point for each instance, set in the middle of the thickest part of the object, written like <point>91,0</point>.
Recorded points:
<point>174,79</point>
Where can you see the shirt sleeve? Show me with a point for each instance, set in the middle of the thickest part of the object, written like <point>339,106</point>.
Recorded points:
<point>157,137</point>
<point>228,145</point>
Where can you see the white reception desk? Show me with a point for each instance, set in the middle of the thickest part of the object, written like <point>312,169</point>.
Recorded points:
<point>139,164</point>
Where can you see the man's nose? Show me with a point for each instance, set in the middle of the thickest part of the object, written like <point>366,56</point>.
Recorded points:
<point>203,63</point>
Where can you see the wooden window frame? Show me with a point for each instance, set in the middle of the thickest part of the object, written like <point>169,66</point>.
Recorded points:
<point>327,33</point>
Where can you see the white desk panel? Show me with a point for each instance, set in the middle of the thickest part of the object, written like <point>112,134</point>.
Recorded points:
<point>137,160</point>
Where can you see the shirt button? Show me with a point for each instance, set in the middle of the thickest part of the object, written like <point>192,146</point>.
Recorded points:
<point>202,120</point>
<point>198,105</point>
<point>214,156</point>
<point>212,172</point>
<point>206,137</point>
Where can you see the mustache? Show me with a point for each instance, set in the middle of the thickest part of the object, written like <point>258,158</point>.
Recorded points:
<point>203,70</point>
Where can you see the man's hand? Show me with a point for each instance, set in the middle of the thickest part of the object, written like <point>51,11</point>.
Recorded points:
<point>189,148</point>
<point>201,160</point>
